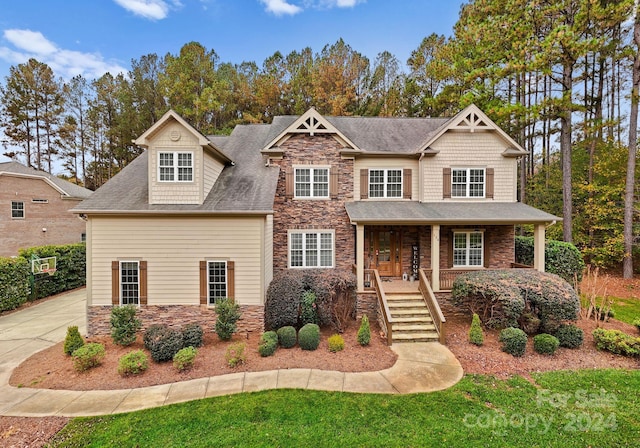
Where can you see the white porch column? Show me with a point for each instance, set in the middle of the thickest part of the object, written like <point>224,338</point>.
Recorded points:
<point>435,257</point>
<point>538,247</point>
<point>360,256</point>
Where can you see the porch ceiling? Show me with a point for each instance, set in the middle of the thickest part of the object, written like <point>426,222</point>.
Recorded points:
<point>426,213</point>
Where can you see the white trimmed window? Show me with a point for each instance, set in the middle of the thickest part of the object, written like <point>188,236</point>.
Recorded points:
<point>311,249</point>
<point>468,182</point>
<point>17,210</point>
<point>217,281</point>
<point>175,166</point>
<point>312,182</point>
<point>385,183</point>
<point>130,282</point>
<point>468,249</point>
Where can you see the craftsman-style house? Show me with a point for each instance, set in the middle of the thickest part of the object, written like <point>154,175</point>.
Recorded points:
<point>35,209</point>
<point>194,218</point>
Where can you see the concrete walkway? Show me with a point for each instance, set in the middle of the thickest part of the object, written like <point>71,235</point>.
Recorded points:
<point>421,367</point>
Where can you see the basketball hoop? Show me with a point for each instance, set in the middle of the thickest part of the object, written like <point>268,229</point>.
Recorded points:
<point>46,265</point>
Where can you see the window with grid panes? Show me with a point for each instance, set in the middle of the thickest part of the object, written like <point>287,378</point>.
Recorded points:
<point>467,182</point>
<point>17,209</point>
<point>468,249</point>
<point>311,249</point>
<point>129,282</point>
<point>175,166</point>
<point>312,182</point>
<point>385,183</point>
<point>217,281</point>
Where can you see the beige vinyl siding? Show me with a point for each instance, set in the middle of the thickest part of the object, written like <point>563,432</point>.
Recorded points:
<point>175,192</point>
<point>268,251</point>
<point>382,163</point>
<point>212,169</point>
<point>470,150</point>
<point>173,248</point>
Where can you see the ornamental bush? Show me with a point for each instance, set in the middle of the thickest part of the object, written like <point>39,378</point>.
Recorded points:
<point>73,340</point>
<point>615,341</point>
<point>192,335</point>
<point>502,297</point>
<point>287,336</point>
<point>309,337</point>
<point>364,332</point>
<point>570,336</point>
<point>184,358</point>
<point>336,343</point>
<point>308,308</point>
<point>545,344</point>
<point>514,341</point>
<point>335,298</point>
<point>235,354</point>
<point>124,324</point>
<point>133,363</point>
<point>563,259</point>
<point>227,314</point>
<point>476,336</point>
<point>88,356</point>
<point>163,342</point>
<point>268,344</point>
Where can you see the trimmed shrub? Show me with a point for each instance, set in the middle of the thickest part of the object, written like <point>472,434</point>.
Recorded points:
<point>309,337</point>
<point>308,308</point>
<point>235,354</point>
<point>615,341</point>
<point>124,324</point>
<point>476,336</point>
<point>502,297</point>
<point>545,344</point>
<point>529,323</point>
<point>570,336</point>
<point>163,342</point>
<point>14,283</point>
<point>563,259</point>
<point>336,343</point>
<point>364,332</point>
<point>335,301</point>
<point>287,336</point>
<point>184,358</point>
<point>88,356</point>
<point>268,344</point>
<point>133,363</point>
<point>70,268</point>
<point>73,340</point>
<point>514,341</point>
<point>227,314</point>
<point>192,335</point>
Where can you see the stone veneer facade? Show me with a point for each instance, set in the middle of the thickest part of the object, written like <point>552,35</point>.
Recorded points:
<point>313,214</point>
<point>252,319</point>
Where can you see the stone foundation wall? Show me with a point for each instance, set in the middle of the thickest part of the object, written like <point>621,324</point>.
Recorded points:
<point>367,303</point>
<point>252,319</point>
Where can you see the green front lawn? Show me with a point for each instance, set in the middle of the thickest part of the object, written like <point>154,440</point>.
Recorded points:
<point>584,408</point>
<point>626,309</point>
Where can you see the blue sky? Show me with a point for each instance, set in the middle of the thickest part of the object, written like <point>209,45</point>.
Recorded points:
<point>91,37</point>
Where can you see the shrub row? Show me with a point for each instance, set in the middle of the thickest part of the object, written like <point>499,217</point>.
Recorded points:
<point>563,259</point>
<point>296,297</point>
<point>502,297</point>
<point>14,283</point>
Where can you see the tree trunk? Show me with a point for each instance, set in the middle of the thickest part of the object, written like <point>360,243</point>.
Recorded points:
<point>565,149</point>
<point>629,203</point>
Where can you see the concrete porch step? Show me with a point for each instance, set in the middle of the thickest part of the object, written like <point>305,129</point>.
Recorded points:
<point>412,328</point>
<point>408,319</point>
<point>415,337</point>
<point>406,304</point>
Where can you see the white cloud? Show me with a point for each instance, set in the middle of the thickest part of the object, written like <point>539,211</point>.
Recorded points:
<point>66,63</point>
<point>149,9</point>
<point>281,7</point>
<point>346,3</point>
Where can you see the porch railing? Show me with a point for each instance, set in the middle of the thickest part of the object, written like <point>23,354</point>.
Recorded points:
<point>448,276</point>
<point>382,302</point>
<point>429,297</point>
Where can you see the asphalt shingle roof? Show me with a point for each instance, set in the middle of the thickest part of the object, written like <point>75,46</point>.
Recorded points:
<point>70,190</point>
<point>446,212</point>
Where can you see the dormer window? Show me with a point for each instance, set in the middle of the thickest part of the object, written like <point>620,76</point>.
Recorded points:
<point>175,166</point>
<point>467,182</point>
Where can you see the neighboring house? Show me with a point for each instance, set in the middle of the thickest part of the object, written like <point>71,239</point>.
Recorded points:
<point>35,209</point>
<point>194,219</point>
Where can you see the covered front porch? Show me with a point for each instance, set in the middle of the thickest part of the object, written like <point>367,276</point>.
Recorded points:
<point>399,238</point>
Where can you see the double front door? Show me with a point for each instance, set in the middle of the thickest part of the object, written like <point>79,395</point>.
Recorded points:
<point>387,252</point>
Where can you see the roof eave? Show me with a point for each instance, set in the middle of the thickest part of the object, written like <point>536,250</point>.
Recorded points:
<point>90,212</point>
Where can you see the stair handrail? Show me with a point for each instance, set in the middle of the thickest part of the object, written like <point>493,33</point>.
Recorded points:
<point>430,300</point>
<point>384,307</point>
